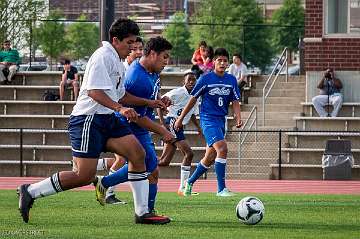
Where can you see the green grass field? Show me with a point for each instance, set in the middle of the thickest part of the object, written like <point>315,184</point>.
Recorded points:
<point>78,215</point>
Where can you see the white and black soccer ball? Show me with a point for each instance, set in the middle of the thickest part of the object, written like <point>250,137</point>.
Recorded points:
<point>250,210</point>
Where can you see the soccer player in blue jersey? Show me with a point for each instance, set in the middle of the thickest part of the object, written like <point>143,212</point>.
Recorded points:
<point>143,80</point>
<point>217,90</point>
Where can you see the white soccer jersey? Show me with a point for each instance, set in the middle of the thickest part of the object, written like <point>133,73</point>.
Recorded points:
<point>104,71</point>
<point>126,64</point>
<point>179,98</point>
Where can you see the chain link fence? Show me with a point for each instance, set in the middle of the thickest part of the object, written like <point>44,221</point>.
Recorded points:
<point>251,154</point>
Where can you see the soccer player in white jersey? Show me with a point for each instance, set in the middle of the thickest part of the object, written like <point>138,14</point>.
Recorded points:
<point>94,128</point>
<point>217,90</point>
<point>119,161</point>
<point>179,98</point>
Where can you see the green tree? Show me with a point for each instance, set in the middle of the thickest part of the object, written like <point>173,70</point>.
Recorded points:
<point>51,36</point>
<point>178,34</point>
<point>234,33</point>
<point>82,37</point>
<point>292,14</point>
<point>15,19</point>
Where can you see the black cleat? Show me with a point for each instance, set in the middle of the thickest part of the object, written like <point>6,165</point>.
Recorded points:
<point>151,218</point>
<point>112,199</point>
<point>25,202</point>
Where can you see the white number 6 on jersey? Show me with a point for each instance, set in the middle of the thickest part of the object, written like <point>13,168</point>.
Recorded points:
<point>220,101</point>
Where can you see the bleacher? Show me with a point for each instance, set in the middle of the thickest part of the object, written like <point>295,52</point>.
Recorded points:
<point>302,153</point>
<point>45,142</point>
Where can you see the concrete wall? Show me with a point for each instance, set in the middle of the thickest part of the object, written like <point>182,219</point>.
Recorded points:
<point>349,79</point>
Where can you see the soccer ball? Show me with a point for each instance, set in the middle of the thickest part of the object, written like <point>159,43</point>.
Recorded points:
<point>250,210</point>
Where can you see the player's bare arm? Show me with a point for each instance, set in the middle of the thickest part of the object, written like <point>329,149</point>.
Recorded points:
<point>237,112</point>
<point>103,99</point>
<point>152,126</point>
<point>178,124</point>
<point>130,99</point>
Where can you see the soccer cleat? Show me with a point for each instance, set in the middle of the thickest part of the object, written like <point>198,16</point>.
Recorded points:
<point>225,193</point>
<point>151,218</point>
<point>100,191</point>
<point>180,192</point>
<point>112,199</point>
<point>188,189</point>
<point>25,202</point>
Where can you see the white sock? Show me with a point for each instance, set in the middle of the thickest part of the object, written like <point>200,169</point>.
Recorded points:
<point>101,165</point>
<point>184,175</point>
<point>140,188</point>
<point>111,189</point>
<point>46,187</point>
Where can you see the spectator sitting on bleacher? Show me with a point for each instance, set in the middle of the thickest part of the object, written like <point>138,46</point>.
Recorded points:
<point>9,59</point>
<point>208,63</point>
<point>239,70</point>
<point>69,77</point>
<point>199,56</point>
<point>330,87</point>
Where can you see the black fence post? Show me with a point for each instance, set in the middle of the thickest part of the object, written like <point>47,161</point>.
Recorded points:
<point>279,155</point>
<point>21,153</point>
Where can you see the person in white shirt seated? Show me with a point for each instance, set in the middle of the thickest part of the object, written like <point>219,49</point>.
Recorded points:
<point>239,70</point>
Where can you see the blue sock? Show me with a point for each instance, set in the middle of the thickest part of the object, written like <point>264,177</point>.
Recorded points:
<point>152,195</point>
<point>220,165</point>
<point>119,176</point>
<point>200,170</point>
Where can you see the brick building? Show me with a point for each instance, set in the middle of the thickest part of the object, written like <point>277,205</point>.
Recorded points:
<point>332,39</point>
<point>332,35</point>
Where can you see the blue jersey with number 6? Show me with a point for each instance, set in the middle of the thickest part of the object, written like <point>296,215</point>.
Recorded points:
<point>216,92</point>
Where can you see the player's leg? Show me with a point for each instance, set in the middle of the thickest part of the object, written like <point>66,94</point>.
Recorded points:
<point>201,168</point>
<point>58,182</point>
<point>86,148</point>
<point>220,167</point>
<point>151,167</point>
<point>167,154</point>
<point>137,177</point>
<point>185,149</point>
<point>153,188</point>
<point>110,194</point>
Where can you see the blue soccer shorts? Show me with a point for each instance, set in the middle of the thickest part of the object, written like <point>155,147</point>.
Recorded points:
<point>213,129</point>
<point>179,135</point>
<point>89,133</point>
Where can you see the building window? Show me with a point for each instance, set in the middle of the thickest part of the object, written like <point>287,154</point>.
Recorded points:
<point>355,16</point>
<point>342,17</point>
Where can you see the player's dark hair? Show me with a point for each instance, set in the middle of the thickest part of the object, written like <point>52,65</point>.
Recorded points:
<point>238,55</point>
<point>221,52</point>
<point>139,39</point>
<point>66,62</point>
<point>158,45</point>
<point>123,28</point>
